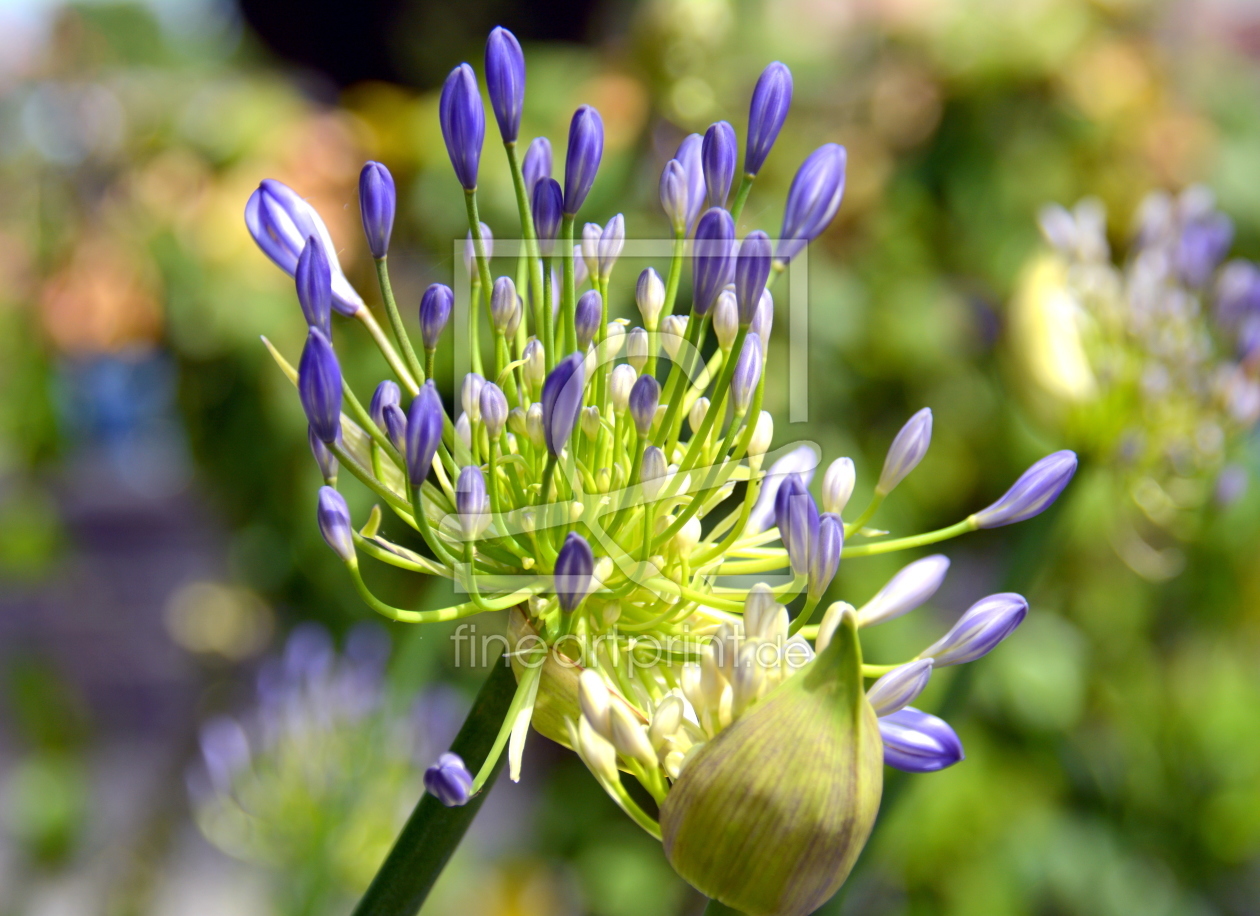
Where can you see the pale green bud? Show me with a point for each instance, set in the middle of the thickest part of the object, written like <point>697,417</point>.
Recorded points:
<point>590,421</point>
<point>697,414</point>
<point>637,348</point>
<point>726,320</point>
<point>629,736</point>
<point>770,815</point>
<point>534,426</point>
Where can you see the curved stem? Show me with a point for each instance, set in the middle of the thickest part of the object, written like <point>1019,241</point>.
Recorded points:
<point>395,320</point>
<point>388,351</point>
<point>919,540</point>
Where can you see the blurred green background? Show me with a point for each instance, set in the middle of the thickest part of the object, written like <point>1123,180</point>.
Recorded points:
<point>169,618</point>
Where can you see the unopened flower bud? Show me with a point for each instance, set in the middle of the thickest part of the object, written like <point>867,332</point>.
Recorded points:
<point>471,502</point>
<point>713,266</point>
<point>516,422</point>
<point>797,519</point>
<point>463,430</point>
<point>575,565</point>
<point>591,233</point>
<point>395,426</point>
<point>688,537</point>
<point>726,319</point>
<point>747,375</point>
<point>752,269</point>
<point>718,152</point>
<point>673,332</point>
<point>906,451</point>
<point>588,315</point>
<point>666,721</point>
<point>813,199</point>
<point>629,736</point>
<point>535,369</point>
<point>590,422</point>
<point>449,780</point>
<point>1032,494</point>
<point>494,409</point>
<point>697,414</point>
<point>653,472</point>
<point>620,383</point>
<point>548,211</point>
<point>333,516</point>
<point>313,277</point>
<point>463,123</point>
<point>435,311</point>
<point>649,295</point>
<point>917,742</point>
<point>825,558</point>
<point>611,243</point>
<point>534,426</point>
<point>470,395</point>
<point>505,81</point>
<point>502,303</point>
<point>837,485</point>
<point>470,247</point>
<point>537,163</point>
<point>690,155</point>
<point>809,754</point>
<point>319,386</point>
<point>644,398</point>
<point>424,432</point>
<point>637,348</point>
<point>387,392</point>
<point>673,193</point>
<point>377,202</point>
<point>763,318</point>
<point>899,687</point>
<point>763,435</point>
<point>905,591</point>
<point>596,750</point>
<point>326,460</point>
<point>985,624</point>
<point>771,99</point>
<point>594,699</point>
<point>586,148</point>
<point>562,400</point>
<point>758,606</point>
<point>614,338</point>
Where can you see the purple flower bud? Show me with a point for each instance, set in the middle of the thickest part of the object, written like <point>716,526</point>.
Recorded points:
<point>763,318</point>
<point>909,588</point>
<point>395,426</point>
<point>1032,494</point>
<point>1203,244</point>
<point>813,199</point>
<point>505,80</point>
<point>319,386</point>
<point>718,152</point>
<point>575,565</point>
<point>333,516</point>
<point>691,156</point>
<point>611,241</point>
<point>424,432</point>
<point>771,99</point>
<point>562,400</point>
<point>548,206</point>
<point>746,375</point>
<point>906,451</point>
<point>449,780</point>
<point>386,393</point>
<point>502,302</point>
<point>800,462</point>
<point>471,501</point>
<point>377,202</point>
<point>977,632</point>
<point>713,265</point>
<point>537,164</point>
<point>825,558</point>
<point>797,518</point>
<point>281,222</point>
<point>673,193</point>
<point>752,269</point>
<point>899,687</point>
<point>314,286</point>
<point>918,743</point>
<point>645,397</point>
<point>586,148</point>
<point>435,311</point>
<point>494,409</point>
<point>326,460</point>
<point>463,123</point>
<point>588,315</point>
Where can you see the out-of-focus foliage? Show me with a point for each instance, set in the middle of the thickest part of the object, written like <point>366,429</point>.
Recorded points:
<point>1113,764</point>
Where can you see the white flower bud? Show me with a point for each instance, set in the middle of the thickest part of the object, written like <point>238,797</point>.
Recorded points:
<point>698,410</point>
<point>637,348</point>
<point>470,395</point>
<point>629,736</point>
<point>673,330</point>
<point>516,422</point>
<point>591,234</point>
<point>594,699</point>
<point>653,472</point>
<point>590,421</point>
<point>758,606</point>
<point>649,295</point>
<point>623,378</point>
<point>665,721</point>
<point>688,537</point>
<point>597,751</point>
<point>763,434</point>
<point>535,368</point>
<point>463,430</point>
<point>534,426</point>
<point>726,320</point>
<point>837,485</point>
<point>614,337</point>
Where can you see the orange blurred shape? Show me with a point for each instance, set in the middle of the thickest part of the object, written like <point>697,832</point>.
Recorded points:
<point>623,102</point>
<point>101,301</point>
<point>1109,79</point>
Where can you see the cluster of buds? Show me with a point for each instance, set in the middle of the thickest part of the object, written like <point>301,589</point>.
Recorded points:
<point>607,486</point>
<point>1157,361</point>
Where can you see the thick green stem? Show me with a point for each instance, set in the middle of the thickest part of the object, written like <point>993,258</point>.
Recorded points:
<point>745,185</point>
<point>434,831</point>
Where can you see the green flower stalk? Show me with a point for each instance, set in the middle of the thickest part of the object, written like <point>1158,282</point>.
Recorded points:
<point>607,486</point>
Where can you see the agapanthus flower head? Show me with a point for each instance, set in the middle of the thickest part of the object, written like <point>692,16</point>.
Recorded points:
<point>1034,492</point>
<point>713,265</point>
<point>718,152</point>
<point>333,516</point>
<point>463,122</point>
<point>313,278</point>
<point>537,164</point>
<point>505,80</point>
<point>771,99</point>
<point>319,386</point>
<point>377,202</point>
<point>586,148</point>
<point>281,222</point>
<point>435,312</point>
<point>813,199</point>
<point>917,742</point>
